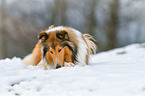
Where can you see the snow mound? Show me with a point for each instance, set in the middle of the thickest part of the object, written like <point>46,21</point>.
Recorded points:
<point>118,72</point>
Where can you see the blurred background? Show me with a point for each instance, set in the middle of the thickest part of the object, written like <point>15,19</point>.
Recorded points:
<point>113,23</point>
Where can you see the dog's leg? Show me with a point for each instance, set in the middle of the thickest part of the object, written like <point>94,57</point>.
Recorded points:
<point>34,58</point>
<point>68,64</point>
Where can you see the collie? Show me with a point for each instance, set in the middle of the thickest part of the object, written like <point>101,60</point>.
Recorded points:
<point>61,46</point>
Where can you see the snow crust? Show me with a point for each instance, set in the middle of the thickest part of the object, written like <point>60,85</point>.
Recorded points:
<point>118,72</point>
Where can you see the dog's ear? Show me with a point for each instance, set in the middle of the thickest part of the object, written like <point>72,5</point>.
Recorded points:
<point>65,35</point>
<point>43,36</point>
<point>50,27</point>
<point>62,35</point>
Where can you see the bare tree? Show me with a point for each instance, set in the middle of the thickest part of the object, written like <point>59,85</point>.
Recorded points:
<point>54,11</point>
<point>112,24</point>
<point>92,21</point>
<point>3,31</point>
<point>59,11</point>
<point>63,8</point>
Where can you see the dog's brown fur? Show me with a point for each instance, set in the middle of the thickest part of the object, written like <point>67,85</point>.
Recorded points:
<point>52,42</point>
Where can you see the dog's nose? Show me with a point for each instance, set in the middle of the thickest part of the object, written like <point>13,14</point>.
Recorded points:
<point>58,66</point>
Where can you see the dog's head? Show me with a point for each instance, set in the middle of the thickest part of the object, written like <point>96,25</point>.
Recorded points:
<point>54,46</point>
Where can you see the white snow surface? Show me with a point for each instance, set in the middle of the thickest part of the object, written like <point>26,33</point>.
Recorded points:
<point>118,72</point>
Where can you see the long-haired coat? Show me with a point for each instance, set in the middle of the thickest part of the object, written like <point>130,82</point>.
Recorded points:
<point>61,46</point>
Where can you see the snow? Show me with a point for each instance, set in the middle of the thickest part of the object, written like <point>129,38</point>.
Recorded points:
<point>118,72</point>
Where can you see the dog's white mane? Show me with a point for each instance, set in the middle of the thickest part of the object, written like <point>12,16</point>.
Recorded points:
<point>55,29</point>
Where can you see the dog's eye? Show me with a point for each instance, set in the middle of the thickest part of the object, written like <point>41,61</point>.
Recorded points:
<point>51,52</point>
<point>59,50</point>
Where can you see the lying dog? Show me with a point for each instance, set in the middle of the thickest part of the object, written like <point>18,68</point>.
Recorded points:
<point>61,46</point>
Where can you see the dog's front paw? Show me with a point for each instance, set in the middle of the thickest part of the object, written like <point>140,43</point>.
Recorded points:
<point>66,64</point>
